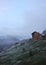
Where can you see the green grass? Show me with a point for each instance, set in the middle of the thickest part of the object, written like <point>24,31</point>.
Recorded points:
<point>13,56</point>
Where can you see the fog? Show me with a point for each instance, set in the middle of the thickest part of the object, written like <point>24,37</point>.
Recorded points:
<point>21,18</point>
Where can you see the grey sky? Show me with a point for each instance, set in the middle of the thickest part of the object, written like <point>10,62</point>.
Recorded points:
<point>22,17</point>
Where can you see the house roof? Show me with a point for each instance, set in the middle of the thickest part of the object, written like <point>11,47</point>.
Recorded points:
<point>36,32</point>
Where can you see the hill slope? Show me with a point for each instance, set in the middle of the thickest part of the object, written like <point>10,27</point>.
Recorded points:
<point>25,53</point>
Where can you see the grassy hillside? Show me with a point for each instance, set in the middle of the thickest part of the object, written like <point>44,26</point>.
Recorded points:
<point>25,53</point>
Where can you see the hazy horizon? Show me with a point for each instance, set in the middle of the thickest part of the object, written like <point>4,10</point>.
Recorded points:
<point>22,17</point>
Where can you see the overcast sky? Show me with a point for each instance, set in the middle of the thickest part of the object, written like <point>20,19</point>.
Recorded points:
<point>22,17</point>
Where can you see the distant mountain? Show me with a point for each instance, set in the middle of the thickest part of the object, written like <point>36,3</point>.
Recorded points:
<point>25,52</point>
<point>7,41</point>
<point>44,32</point>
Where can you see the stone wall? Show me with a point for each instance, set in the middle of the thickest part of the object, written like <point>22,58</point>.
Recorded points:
<point>37,36</point>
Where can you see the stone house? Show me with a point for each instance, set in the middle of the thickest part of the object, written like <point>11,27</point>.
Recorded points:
<point>36,36</point>
<point>44,37</point>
